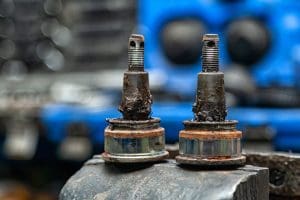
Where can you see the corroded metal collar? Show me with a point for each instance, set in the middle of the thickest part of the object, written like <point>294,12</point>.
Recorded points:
<point>121,124</point>
<point>210,126</point>
<point>129,141</point>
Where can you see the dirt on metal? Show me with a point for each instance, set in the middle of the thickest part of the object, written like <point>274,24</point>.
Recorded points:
<point>136,98</point>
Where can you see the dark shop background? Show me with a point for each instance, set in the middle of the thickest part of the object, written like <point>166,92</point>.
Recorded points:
<point>62,63</point>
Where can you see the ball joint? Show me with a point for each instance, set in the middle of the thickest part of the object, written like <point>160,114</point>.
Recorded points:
<point>209,139</point>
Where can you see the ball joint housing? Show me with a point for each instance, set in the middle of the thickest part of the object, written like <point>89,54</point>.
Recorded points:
<point>209,139</point>
<point>136,137</point>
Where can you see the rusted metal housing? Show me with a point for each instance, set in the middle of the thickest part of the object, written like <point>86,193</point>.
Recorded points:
<point>210,143</point>
<point>137,137</point>
<point>210,98</point>
<point>210,139</point>
<point>128,141</point>
<point>136,98</point>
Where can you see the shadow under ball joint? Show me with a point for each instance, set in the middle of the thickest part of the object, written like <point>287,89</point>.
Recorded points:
<point>136,137</point>
<point>210,139</point>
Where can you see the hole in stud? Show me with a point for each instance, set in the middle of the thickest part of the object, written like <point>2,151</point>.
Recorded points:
<point>132,43</point>
<point>211,44</point>
<point>142,45</point>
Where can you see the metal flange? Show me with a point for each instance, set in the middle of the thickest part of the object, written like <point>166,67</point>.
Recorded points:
<point>128,141</point>
<point>209,139</point>
<point>210,143</point>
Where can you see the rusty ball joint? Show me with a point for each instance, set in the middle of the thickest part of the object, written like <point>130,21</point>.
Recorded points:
<point>137,137</point>
<point>210,139</point>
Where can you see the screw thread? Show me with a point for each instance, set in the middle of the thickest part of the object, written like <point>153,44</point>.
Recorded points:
<point>136,57</point>
<point>210,53</point>
<point>136,51</point>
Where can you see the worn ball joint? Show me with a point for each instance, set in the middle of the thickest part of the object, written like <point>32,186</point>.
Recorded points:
<point>209,139</point>
<point>136,137</point>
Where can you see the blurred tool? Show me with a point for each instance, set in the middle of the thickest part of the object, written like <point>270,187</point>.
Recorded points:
<point>247,41</point>
<point>98,31</point>
<point>180,41</point>
<point>77,144</point>
<point>239,85</point>
<point>19,111</point>
<point>136,137</point>
<point>23,34</point>
<point>64,36</point>
<point>209,139</point>
<point>21,138</point>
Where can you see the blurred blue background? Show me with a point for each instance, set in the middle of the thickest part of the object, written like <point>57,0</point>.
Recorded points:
<point>62,62</point>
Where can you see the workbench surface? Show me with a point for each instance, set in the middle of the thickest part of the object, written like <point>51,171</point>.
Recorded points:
<point>166,180</point>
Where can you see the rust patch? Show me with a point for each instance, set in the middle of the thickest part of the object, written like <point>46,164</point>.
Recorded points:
<point>134,133</point>
<point>136,98</point>
<point>210,99</point>
<point>198,134</point>
<point>219,157</point>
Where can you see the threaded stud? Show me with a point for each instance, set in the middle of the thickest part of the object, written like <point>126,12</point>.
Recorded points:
<point>136,51</point>
<point>210,53</point>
